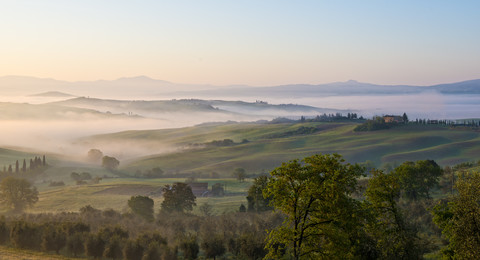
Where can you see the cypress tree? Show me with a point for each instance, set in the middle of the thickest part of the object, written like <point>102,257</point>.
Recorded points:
<point>44,162</point>
<point>10,168</point>
<point>24,166</point>
<point>16,167</point>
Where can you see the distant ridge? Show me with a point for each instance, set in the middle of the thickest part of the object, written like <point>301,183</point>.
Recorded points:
<point>52,94</point>
<point>139,87</point>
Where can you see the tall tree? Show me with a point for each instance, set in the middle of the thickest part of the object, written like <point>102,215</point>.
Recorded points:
<point>24,166</point>
<point>178,197</point>
<point>315,196</point>
<point>17,193</point>
<point>17,167</point>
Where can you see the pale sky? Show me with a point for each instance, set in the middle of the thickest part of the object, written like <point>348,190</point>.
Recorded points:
<point>253,42</point>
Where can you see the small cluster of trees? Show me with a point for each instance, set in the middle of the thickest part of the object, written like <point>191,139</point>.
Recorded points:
<point>36,164</point>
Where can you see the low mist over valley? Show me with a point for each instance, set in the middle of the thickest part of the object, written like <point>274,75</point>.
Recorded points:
<point>51,115</point>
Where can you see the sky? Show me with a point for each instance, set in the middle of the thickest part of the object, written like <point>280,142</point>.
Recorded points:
<point>251,42</point>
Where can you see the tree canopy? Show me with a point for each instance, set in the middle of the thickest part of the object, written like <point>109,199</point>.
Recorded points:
<point>178,197</point>
<point>142,206</point>
<point>110,163</point>
<point>17,193</point>
<point>315,196</point>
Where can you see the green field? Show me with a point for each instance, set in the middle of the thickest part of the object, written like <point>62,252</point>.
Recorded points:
<point>263,153</point>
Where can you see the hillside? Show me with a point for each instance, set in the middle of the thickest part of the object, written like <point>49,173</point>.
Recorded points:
<point>186,107</point>
<point>271,144</point>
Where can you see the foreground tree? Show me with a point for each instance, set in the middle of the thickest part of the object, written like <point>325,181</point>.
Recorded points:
<point>395,238</point>
<point>17,193</point>
<point>142,206</point>
<point>315,196</point>
<point>418,178</point>
<point>178,197</point>
<point>459,218</point>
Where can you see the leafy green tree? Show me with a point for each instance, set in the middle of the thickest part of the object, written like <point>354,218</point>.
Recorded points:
<point>75,243</point>
<point>190,247</point>
<point>396,239</point>
<point>53,239</point>
<point>25,235</point>
<point>256,201</point>
<point>17,193</point>
<point>315,196</point>
<point>110,163</point>
<point>213,246</point>
<point>133,250</point>
<point>94,246</point>
<point>142,206</point>
<point>240,174</point>
<point>113,248</point>
<point>152,252</point>
<point>178,197</point>
<point>459,219</point>
<point>418,178</point>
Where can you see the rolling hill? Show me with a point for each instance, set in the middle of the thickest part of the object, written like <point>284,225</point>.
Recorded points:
<point>271,144</point>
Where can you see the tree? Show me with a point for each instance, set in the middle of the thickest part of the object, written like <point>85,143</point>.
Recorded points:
<point>133,250</point>
<point>315,196</point>
<point>190,247</point>
<point>213,246</point>
<point>459,218</point>
<point>53,239</point>
<point>94,155</point>
<point>94,246</point>
<point>417,179</point>
<point>110,163</point>
<point>394,236</point>
<point>113,249</point>
<point>405,118</point>
<point>256,201</point>
<point>75,243</point>
<point>142,206</point>
<point>17,167</point>
<point>24,166</point>
<point>240,174</point>
<point>17,193</point>
<point>178,197</point>
<point>24,235</point>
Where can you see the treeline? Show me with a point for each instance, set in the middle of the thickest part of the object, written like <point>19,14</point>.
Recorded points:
<point>90,233</point>
<point>35,165</point>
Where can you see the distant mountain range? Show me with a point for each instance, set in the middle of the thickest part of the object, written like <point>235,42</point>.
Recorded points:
<point>143,87</point>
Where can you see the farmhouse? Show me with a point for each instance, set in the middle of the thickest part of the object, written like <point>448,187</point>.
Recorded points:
<point>393,119</point>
